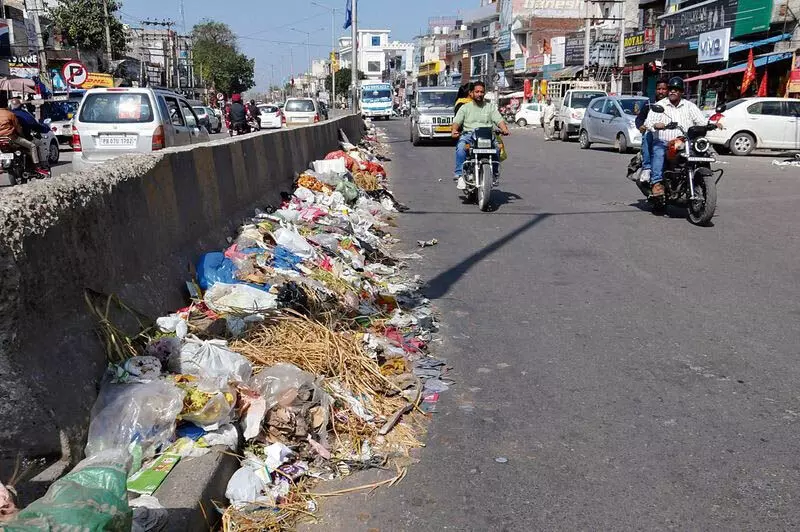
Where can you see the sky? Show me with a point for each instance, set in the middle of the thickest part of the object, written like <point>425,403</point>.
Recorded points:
<point>275,32</point>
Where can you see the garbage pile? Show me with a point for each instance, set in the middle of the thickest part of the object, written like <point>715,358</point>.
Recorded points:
<point>304,351</point>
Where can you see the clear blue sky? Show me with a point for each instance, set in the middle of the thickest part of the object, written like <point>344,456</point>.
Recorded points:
<point>257,22</point>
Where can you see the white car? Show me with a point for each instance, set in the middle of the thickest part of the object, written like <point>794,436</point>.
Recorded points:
<point>271,116</point>
<point>757,123</point>
<point>529,113</point>
<point>299,111</point>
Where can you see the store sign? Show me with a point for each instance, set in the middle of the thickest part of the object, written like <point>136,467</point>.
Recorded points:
<point>681,26</point>
<point>535,63</point>
<point>97,79</point>
<point>637,73</point>
<point>24,66</point>
<point>573,49</point>
<point>504,40</point>
<point>550,8</point>
<point>634,43</point>
<point>794,82</point>
<point>508,64</point>
<point>713,46</point>
<point>519,65</point>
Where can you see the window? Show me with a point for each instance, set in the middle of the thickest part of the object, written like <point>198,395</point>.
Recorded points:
<point>174,111</point>
<point>188,114</point>
<point>580,100</point>
<point>765,108</point>
<point>267,109</point>
<point>373,66</point>
<point>376,40</point>
<point>479,64</point>
<point>485,31</point>
<point>533,107</point>
<point>597,106</point>
<point>794,108</point>
<point>474,33</point>
<point>632,106</point>
<point>116,108</point>
<point>611,108</point>
<point>300,106</point>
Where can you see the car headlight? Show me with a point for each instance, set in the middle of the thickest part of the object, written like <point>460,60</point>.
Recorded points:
<point>701,145</point>
<point>428,120</point>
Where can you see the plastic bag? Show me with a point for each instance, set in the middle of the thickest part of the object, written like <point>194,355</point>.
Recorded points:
<point>91,497</point>
<point>173,323</point>
<point>294,242</point>
<point>232,298</point>
<point>138,413</point>
<point>210,359</point>
<point>248,484</point>
<point>214,268</point>
<point>226,435</point>
<point>328,166</point>
<point>348,190</point>
<point>217,410</point>
<point>502,147</point>
<point>148,514</point>
<point>280,385</point>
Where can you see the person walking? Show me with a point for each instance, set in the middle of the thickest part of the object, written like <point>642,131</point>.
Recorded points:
<point>549,118</point>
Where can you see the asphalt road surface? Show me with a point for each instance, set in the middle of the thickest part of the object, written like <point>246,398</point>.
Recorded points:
<point>635,371</point>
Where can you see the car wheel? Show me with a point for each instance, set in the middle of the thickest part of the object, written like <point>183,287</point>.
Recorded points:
<point>583,138</point>
<point>53,154</point>
<point>562,133</point>
<point>522,122</point>
<point>622,143</point>
<point>742,144</point>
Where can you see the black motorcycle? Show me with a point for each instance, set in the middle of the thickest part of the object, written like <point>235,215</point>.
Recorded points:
<point>481,166</point>
<point>688,178</point>
<point>17,163</point>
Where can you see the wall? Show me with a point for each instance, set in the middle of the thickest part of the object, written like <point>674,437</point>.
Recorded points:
<point>131,227</point>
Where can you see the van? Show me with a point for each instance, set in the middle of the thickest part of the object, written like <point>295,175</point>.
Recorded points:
<point>573,106</point>
<point>300,111</point>
<point>115,121</point>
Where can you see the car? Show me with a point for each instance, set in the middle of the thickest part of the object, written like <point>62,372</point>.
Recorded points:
<point>208,118</point>
<point>572,107</point>
<point>757,123</point>
<point>529,113</point>
<point>116,121</point>
<point>323,110</point>
<point>300,111</point>
<point>271,116</point>
<point>432,113</point>
<point>60,113</point>
<point>610,120</point>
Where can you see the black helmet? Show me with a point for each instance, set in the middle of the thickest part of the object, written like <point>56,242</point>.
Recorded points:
<point>675,82</point>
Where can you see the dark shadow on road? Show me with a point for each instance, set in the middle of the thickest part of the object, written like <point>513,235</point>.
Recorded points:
<point>477,212</point>
<point>501,197</point>
<point>672,211</point>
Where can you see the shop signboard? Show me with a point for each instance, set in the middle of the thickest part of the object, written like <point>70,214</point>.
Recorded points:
<point>794,82</point>
<point>753,16</point>
<point>713,46</point>
<point>519,65</point>
<point>637,73</point>
<point>508,65</point>
<point>24,66</point>
<point>549,70</point>
<point>504,40</point>
<point>573,49</point>
<point>551,8</point>
<point>634,43</point>
<point>97,79</point>
<point>743,17</point>
<point>535,63</point>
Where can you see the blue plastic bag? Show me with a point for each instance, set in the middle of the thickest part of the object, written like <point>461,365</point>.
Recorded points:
<point>284,259</point>
<point>214,268</point>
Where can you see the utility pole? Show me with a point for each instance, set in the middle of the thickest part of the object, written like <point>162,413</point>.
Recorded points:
<point>171,54</point>
<point>333,11</point>
<point>108,34</point>
<point>587,38</point>
<point>40,53</point>
<point>354,67</point>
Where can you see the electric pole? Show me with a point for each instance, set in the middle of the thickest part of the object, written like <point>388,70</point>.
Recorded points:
<point>333,11</point>
<point>354,69</point>
<point>108,34</point>
<point>170,54</point>
<point>40,53</point>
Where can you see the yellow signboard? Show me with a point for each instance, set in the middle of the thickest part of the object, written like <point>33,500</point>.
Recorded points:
<point>431,68</point>
<point>334,62</point>
<point>96,79</point>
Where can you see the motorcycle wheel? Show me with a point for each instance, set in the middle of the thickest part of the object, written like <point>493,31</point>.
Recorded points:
<point>701,211</point>
<point>12,179</point>
<point>485,187</point>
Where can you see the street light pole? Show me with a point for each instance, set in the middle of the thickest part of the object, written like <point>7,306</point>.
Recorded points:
<point>333,11</point>
<point>354,67</point>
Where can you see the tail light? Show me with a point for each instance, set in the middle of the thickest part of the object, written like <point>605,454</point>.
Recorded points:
<point>716,117</point>
<point>76,140</point>
<point>316,117</point>
<point>54,128</point>
<point>283,118</point>
<point>158,139</point>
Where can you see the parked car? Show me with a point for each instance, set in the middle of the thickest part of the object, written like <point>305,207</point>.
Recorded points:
<point>529,113</point>
<point>207,118</point>
<point>60,113</point>
<point>610,120</point>
<point>271,116</point>
<point>757,123</point>
<point>570,112</point>
<point>299,111</point>
<point>323,110</point>
<point>114,121</point>
<point>432,114</point>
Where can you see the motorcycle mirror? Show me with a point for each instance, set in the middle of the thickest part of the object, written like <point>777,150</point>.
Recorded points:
<point>47,121</point>
<point>721,107</point>
<point>657,108</point>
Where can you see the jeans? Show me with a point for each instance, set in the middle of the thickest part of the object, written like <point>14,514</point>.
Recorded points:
<point>461,154</point>
<point>29,146</point>
<point>659,155</point>
<point>647,150</point>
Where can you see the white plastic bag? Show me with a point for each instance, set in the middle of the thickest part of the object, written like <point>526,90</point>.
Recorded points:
<point>328,166</point>
<point>294,242</point>
<point>226,435</point>
<point>217,411</point>
<point>223,298</point>
<point>248,484</point>
<point>210,359</point>
<point>173,323</point>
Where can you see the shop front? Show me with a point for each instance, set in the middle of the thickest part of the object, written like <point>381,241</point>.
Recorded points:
<point>428,75</point>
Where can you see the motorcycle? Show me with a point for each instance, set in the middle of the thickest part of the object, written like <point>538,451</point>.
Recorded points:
<point>688,178</point>
<point>241,128</point>
<point>16,163</point>
<point>480,167</point>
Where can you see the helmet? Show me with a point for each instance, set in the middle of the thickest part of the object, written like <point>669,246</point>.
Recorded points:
<point>238,97</point>
<point>675,83</point>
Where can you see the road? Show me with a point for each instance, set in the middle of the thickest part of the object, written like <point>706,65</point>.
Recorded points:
<point>636,372</point>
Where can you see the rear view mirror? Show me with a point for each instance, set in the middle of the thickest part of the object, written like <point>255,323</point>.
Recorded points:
<point>721,107</point>
<point>657,108</point>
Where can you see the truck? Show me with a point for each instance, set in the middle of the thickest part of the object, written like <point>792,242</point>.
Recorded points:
<point>376,100</point>
<point>571,99</point>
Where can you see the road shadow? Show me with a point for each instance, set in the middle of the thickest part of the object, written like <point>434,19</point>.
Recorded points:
<point>501,197</point>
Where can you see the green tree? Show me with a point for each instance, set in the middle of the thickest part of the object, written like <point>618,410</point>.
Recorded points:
<point>82,23</point>
<point>343,81</point>
<point>218,59</point>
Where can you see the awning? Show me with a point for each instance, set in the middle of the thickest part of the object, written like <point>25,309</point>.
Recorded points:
<point>759,62</point>
<point>747,45</point>
<point>567,73</point>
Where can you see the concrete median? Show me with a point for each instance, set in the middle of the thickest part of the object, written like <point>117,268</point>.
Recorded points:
<point>132,227</point>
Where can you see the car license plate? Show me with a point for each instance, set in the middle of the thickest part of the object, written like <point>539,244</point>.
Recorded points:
<point>442,129</point>
<point>482,151</point>
<point>6,156</point>
<point>116,141</point>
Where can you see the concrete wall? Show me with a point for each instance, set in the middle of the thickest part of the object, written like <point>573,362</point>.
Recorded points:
<point>132,227</point>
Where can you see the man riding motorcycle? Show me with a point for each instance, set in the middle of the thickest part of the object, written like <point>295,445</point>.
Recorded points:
<point>30,126</point>
<point>237,114</point>
<point>11,128</point>
<point>472,115</point>
<point>647,136</point>
<point>255,112</point>
<point>676,109</point>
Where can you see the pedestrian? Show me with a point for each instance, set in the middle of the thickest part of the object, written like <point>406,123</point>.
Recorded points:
<point>549,119</point>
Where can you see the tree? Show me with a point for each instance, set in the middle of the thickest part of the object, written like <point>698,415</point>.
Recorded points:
<point>217,57</point>
<point>343,81</point>
<point>82,23</point>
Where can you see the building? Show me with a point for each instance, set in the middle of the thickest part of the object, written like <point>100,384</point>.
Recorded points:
<point>376,52</point>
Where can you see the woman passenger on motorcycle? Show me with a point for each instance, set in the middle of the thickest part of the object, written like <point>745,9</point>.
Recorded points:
<point>464,96</point>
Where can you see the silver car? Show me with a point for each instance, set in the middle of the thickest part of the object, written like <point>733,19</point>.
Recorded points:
<point>432,113</point>
<point>116,121</point>
<point>611,120</point>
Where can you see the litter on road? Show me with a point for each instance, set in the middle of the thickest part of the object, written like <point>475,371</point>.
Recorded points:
<point>304,350</point>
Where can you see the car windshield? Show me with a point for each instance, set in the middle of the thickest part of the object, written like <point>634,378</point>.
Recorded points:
<point>116,108</point>
<point>59,111</point>
<point>199,110</point>
<point>301,106</point>
<point>268,109</point>
<point>734,103</point>
<point>632,106</point>
<point>381,95</point>
<point>580,100</point>
<point>438,98</point>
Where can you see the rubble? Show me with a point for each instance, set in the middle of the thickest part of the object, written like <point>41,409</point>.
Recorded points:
<point>304,340</point>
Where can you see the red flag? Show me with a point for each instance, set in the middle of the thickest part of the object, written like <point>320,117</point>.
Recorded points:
<point>762,89</point>
<point>749,72</point>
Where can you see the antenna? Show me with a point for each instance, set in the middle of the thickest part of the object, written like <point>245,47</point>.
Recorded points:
<point>182,12</point>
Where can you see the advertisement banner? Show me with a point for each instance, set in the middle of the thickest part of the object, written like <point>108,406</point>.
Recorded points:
<point>634,43</point>
<point>713,46</point>
<point>519,65</point>
<point>794,82</point>
<point>97,79</point>
<point>25,66</point>
<point>753,16</point>
<point>743,17</point>
<point>573,49</point>
<point>550,8</point>
<point>535,63</point>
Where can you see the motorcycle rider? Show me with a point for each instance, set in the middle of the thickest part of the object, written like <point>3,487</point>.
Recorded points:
<point>647,136</point>
<point>30,126</point>
<point>255,113</point>
<point>237,114</point>
<point>11,128</point>
<point>472,115</point>
<point>676,109</point>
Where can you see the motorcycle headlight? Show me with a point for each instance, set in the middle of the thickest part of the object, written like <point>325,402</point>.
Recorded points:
<point>484,143</point>
<point>701,145</point>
